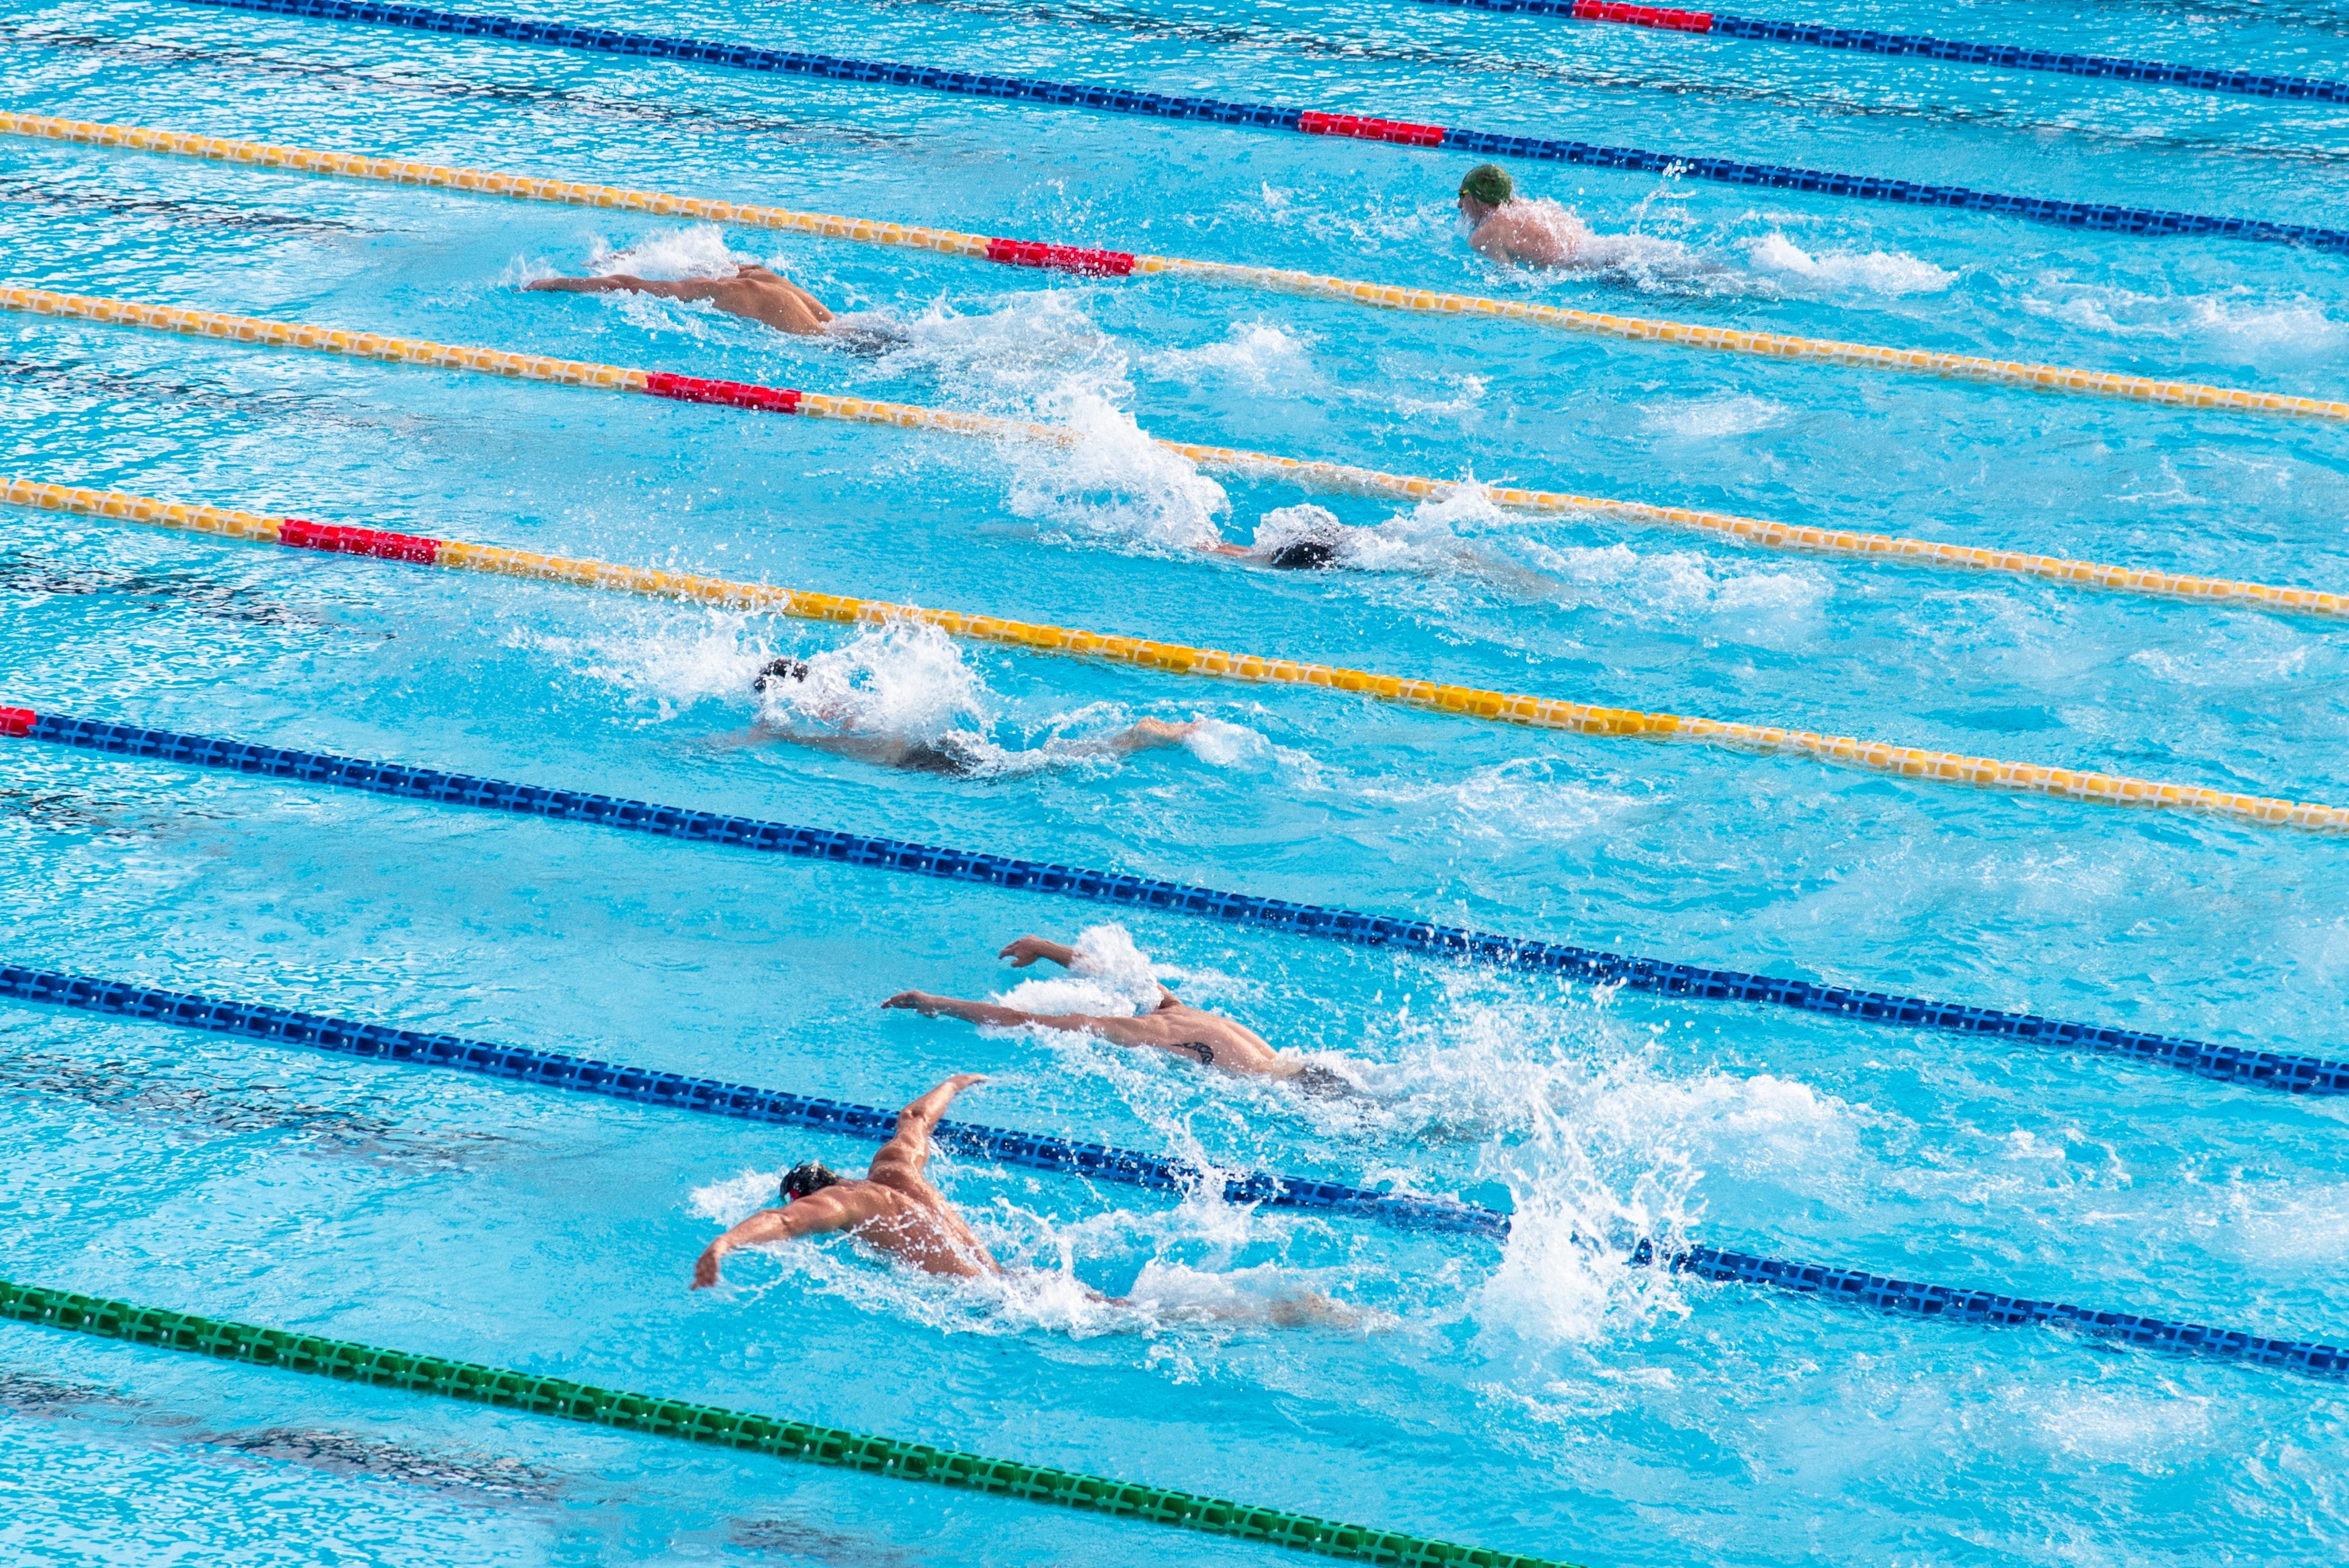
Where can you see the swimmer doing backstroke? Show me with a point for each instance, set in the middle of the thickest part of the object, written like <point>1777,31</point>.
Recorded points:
<point>895,1209</point>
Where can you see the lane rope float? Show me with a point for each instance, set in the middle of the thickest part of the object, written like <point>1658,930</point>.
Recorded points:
<point>2289,1072</point>
<point>1308,474</point>
<point>348,1362</point>
<point>1738,737</point>
<point>710,1097</point>
<point>2142,221</point>
<point>108,998</point>
<point>1920,46</point>
<point>1094,263</point>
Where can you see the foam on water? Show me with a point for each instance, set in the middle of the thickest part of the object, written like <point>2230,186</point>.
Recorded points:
<point>1715,416</point>
<point>1258,357</point>
<point>1886,273</point>
<point>2240,323</point>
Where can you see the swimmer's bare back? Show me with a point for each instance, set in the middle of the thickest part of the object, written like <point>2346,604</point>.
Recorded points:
<point>755,293</point>
<point>894,1209</point>
<point>1174,1025</point>
<point>1530,236</point>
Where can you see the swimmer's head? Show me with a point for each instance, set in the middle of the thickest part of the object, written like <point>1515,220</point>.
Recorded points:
<point>1484,188</point>
<point>806,1178</point>
<point>1303,555</point>
<point>780,670</point>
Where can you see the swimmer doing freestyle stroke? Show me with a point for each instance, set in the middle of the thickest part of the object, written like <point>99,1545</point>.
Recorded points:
<point>895,1209</point>
<point>954,756</point>
<point>754,293</point>
<point>1173,1025</point>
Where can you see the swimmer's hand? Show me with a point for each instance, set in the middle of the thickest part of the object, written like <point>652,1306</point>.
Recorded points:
<point>705,1267</point>
<point>921,1002</point>
<point>1028,949</point>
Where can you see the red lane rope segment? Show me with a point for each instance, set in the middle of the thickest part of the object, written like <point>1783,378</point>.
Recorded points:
<point>731,393</point>
<point>1643,16</point>
<point>1082,259</point>
<point>1363,127</point>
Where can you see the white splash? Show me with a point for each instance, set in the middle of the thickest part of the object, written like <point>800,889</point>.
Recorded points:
<point>902,680</point>
<point>1115,480</point>
<point>1253,356</point>
<point>699,251</point>
<point>1109,978</point>
<point>1888,273</point>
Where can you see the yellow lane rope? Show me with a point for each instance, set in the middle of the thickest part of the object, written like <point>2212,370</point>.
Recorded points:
<point>1388,296</point>
<point>1176,658</point>
<point>1338,478</point>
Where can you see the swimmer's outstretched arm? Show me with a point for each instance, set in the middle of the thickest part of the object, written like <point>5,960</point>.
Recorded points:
<point>615,282</point>
<point>988,1013</point>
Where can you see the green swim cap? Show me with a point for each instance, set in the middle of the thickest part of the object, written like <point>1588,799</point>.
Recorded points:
<point>1488,184</point>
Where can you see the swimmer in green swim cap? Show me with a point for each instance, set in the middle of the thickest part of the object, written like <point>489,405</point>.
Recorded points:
<point>1507,228</point>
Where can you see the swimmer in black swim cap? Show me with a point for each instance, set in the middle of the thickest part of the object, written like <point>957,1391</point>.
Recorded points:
<point>780,669</point>
<point>1303,555</point>
<point>954,754</point>
<point>1303,539</point>
<point>894,1209</point>
<point>807,1177</point>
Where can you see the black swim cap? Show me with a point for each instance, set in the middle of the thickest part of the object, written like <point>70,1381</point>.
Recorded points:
<point>1303,555</point>
<point>787,669</point>
<point>806,1178</point>
<point>1488,184</point>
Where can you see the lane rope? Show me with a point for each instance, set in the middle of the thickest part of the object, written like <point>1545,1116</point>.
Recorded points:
<point>710,1097</point>
<point>1879,1293</point>
<point>1743,739</point>
<point>349,1362</point>
<point>2289,1072</point>
<point>1094,263</point>
<point>1308,474</point>
<point>2101,216</point>
<point>1861,40</point>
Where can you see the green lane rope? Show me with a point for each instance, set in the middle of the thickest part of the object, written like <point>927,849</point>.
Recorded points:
<point>353,1363</point>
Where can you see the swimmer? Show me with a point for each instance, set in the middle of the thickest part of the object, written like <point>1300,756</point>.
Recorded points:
<point>953,756</point>
<point>755,293</point>
<point>896,1211</point>
<point>895,1208</point>
<point>1510,228</point>
<point>1174,1025</point>
<point>1293,555</point>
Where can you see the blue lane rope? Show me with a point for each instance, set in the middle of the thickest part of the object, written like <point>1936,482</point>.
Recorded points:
<point>377,1042</point>
<point>380,1042</point>
<point>2291,1073</point>
<point>2141,221</point>
<point>1880,1293</point>
<point>1920,45</point>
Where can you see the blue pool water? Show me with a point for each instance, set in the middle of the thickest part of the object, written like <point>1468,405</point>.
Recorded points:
<point>1543,1399</point>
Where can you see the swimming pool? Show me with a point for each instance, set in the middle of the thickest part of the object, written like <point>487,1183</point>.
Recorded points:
<point>1544,1396</point>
